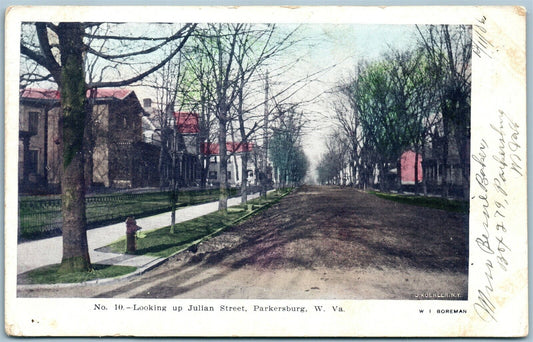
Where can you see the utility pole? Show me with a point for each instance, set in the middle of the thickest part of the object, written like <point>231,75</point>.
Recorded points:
<point>174,171</point>
<point>265,142</point>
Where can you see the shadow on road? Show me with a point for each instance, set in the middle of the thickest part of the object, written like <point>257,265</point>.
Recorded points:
<point>318,228</point>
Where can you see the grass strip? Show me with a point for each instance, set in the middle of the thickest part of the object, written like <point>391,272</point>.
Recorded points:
<point>162,243</point>
<point>50,275</point>
<point>159,242</point>
<point>429,202</point>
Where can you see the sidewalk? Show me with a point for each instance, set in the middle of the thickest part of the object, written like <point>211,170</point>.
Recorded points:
<point>35,254</point>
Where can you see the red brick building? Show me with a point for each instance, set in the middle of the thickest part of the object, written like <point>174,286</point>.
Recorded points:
<point>115,136</point>
<point>408,162</point>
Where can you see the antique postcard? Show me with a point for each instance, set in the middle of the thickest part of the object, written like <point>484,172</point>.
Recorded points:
<point>329,171</point>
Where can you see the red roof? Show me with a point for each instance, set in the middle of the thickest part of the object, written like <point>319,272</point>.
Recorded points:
<point>40,94</point>
<point>119,94</point>
<point>187,122</point>
<point>231,147</point>
<point>47,94</point>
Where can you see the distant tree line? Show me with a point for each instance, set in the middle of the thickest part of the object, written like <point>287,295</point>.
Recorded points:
<point>407,99</point>
<point>290,164</point>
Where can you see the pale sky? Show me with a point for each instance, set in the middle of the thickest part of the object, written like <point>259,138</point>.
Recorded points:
<point>344,45</point>
<point>341,46</point>
<point>336,48</point>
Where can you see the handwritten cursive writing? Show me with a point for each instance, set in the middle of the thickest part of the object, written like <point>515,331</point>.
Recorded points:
<point>481,46</point>
<point>496,165</point>
<point>481,176</point>
<point>484,307</point>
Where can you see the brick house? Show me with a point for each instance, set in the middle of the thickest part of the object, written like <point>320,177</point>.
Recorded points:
<point>119,157</point>
<point>117,136</point>
<point>408,162</point>
<point>187,130</point>
<point>38,150</point>
<point>181,139</point>
<point>431,167</point>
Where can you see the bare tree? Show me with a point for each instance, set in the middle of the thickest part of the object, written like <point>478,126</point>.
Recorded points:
<point>170,84</point>
<point>333,163</point>
<point>234,53</point>
<point>219,48</point>
<point>414,96</point>
<point>61,50</point>
<point>449,50</point>
<point>253,51</point>
<point>346,117</point>
<point>396,103</point>
<point>285,146</point>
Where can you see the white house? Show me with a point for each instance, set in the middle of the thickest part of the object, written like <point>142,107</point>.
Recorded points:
<point>235,153</point>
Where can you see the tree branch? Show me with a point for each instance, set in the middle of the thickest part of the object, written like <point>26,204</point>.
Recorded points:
<point>49,59</point>
<point>147,72</point>
<point>175,36</point>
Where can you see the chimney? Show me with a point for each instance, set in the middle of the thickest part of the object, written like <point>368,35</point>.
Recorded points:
<point>147,103</point>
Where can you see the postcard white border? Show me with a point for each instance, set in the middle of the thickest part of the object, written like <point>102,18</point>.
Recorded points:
<point>499,83</point>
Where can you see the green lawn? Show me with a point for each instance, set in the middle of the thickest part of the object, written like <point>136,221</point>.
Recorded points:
<point>158,242</point>
<point>50,275</point>
<point>429,202</point>
<point>162,243</point>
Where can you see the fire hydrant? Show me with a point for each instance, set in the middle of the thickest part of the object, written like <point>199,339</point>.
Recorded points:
<point>131,231</point>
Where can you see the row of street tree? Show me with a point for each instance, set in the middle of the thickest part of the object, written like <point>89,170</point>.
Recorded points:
<point>405,100</point>
<point>223,72</point>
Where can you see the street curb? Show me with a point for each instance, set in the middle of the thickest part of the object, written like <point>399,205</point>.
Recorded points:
<point>147,267</point>
<point>143,269</point>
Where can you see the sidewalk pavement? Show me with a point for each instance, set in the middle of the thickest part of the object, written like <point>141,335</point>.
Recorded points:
<point>35,254</point>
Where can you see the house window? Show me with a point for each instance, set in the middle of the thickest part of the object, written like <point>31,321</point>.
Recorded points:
<point>214,160</point>
<point>33,122</point>
<point>229,174</point>
<point>212,175</point>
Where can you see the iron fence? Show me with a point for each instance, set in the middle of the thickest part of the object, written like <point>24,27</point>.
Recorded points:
<point>40,217</point>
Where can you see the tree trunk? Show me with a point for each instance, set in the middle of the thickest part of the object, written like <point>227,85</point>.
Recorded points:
<point>462,146</point>
<point>416,170</point>
<point>73,90</point>
<point>465,169</point>
<point>381,177</point>
<point>424,169</point>
<point>265,142</point>
<point>163,157</point>
<point>204,169</point>
<point>236,176</point>
<point>223,165</point>
<point>244,174</point>
<point>174,200</point>
<point>354,167</point>
<point>445,186</point>
<point>399,174</point>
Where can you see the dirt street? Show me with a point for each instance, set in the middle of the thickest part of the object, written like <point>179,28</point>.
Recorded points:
<point>318,242</point>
